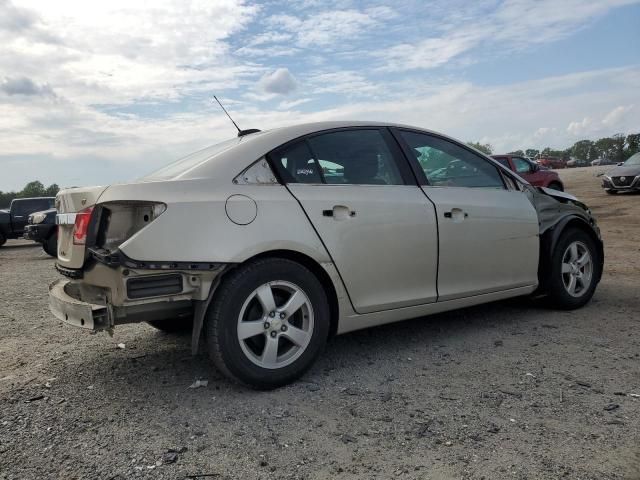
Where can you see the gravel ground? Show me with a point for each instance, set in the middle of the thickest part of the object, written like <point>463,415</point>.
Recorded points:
<point>507,390</point>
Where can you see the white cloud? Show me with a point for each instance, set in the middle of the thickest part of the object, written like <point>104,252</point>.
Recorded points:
<point>617,116</point>
<point>329,27</point>
<point>280,82</point>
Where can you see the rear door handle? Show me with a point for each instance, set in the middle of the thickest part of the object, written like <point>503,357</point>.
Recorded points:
<point>339,212</point>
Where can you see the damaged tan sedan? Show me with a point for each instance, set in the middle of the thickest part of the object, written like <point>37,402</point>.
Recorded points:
<point>271,242</point>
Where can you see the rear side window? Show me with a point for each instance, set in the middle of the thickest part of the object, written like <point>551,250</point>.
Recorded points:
<point>446,164</point>
<point>353,157</point>
<point>296,164</point>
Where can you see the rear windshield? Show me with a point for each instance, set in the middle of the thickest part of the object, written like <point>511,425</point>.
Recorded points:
<point>185,164</point>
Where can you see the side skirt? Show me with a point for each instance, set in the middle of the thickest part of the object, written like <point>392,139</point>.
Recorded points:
<point>356,322</point>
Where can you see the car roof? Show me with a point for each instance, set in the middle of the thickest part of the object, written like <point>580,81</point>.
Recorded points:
<point>249,148</point>
<point>33,198</point>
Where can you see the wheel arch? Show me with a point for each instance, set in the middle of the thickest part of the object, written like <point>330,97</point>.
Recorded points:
<point>550,237</point>
<point>320,273</point>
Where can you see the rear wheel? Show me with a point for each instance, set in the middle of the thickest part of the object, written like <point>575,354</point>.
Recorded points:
<point>50,245</point>
<point>268,323</point>
<point>556,186</point>
<point>575,270</point>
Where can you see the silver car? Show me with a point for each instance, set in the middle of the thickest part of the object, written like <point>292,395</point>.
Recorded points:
<point>270,243</point>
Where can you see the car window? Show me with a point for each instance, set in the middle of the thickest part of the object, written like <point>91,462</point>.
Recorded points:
<point>355,157</point>
<point>296,164</point>
<point>358,156</point>
<point>521,165</point>
<point>502,161</point>
<point>446,164</point>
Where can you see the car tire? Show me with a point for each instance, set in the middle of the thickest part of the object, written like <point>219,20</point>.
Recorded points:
<point>3,239</point>
<point>611,192</point>
<point>268,322</point>
<point>50,245</point>
<point>575,270</point>
<point>556,186</point>
<point>173,325</point>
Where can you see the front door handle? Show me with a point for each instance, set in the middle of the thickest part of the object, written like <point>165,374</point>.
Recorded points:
<point>339,212</point>
<point>456,214</point>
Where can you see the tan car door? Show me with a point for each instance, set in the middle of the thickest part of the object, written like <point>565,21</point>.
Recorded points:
<point>488,234</point>
<point>380,231</point>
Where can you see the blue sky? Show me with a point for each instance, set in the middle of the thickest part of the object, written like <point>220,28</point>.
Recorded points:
<point>92,93</point>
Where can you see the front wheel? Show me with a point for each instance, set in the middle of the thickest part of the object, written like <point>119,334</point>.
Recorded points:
<point>575,270</point>
<point>3,239</point>
<point>268,323</point>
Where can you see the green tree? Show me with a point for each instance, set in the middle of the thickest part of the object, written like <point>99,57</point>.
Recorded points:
<point>33,189</point>
<point>52,190</point>
<point>580,150</point>
<point>633,144</point>
<point>532,152</point>
<point>485,148</point>
<point>5,198</point>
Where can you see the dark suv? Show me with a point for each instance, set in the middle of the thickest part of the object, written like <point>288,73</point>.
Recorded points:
<point>14,220</point>
<point>533,173</point>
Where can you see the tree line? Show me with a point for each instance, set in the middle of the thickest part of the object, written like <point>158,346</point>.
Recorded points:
<point>31,189</point>
<point>616,148</point>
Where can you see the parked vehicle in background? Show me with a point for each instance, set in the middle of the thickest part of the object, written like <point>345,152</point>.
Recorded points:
<point>271,242</point>
<point>577,162</point>
<point>552,162</point>
<point>533,173</point>
<point>41,227</point>
<point>14,220</point>
<point>624,177</point>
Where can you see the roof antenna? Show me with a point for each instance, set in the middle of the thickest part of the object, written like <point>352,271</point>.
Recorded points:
<point>241,133</point>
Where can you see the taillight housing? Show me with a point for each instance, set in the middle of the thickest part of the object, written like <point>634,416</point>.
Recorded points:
<point>81,226</point>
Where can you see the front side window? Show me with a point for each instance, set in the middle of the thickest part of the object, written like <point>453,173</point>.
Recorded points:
<point>355,157</point>
<point>446,164</point>
<point>521,165</point>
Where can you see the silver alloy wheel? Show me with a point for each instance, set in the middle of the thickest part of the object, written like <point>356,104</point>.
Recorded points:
<point>577,269</point>
<point>275,324</point>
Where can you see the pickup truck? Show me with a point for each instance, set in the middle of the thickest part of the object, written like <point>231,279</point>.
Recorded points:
<point>14,220</point>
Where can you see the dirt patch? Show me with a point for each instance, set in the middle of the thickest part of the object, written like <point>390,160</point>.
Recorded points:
<point>507,390</point>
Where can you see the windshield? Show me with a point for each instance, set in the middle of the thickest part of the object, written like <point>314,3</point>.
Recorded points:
<point>633,160</point>
<point>181,166</point>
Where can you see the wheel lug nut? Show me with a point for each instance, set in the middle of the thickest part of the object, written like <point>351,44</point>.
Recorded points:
<point>273,334</point>
<point>266,325</point>
<point>283,328</point>
<point>272,314</point>
<point>282,315</point>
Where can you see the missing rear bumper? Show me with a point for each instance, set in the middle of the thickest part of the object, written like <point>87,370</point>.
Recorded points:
<point>66,305</point>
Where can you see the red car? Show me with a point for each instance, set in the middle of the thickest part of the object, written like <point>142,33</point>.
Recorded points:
<point>531,172</point>
<point>552,162</point>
